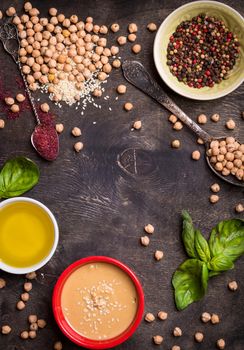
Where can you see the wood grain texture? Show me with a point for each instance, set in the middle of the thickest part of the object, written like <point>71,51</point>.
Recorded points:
<point>102,209</point>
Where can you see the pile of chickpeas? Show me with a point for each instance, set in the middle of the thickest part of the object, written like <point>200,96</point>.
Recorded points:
<point>228,157</point>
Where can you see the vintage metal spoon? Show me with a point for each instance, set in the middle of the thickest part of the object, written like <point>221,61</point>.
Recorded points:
<point>44,137</point>
<point>137,75</point>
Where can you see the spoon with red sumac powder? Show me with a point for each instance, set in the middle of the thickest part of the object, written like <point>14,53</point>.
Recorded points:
<point>44,138</point>
<point>224,155</point>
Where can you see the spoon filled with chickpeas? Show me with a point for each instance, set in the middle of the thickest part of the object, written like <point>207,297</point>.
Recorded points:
<point>224,155</point>
<point>44,137</point>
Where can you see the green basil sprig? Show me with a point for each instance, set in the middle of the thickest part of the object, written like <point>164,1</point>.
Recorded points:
<point>18,176</point>
<point>207,258</point>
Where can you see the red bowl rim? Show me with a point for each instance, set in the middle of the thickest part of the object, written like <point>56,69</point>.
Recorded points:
<point>69,331</point>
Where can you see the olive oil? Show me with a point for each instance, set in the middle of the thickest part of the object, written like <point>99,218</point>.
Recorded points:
<point>26,234</point>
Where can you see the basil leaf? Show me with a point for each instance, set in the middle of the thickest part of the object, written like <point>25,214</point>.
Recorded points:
<point>202,247</point>
<point>188,235</point>
<point>227,239</point>
<point>190,282</point>
<point>17,176</point>
<point>220,263</point>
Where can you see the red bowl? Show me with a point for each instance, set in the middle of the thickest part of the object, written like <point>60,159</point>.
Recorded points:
<point>70,332</point>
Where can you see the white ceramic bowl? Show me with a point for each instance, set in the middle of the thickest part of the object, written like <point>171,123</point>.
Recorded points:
<point>233,20</point>
<point>20,270</point>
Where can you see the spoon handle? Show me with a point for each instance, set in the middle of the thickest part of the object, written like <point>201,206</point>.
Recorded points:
<point>137,75</point>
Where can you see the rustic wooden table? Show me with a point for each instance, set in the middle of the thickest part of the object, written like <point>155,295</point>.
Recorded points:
<point>102,208</point>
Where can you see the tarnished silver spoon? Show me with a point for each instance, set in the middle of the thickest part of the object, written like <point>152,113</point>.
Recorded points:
<point>137,75</point>
<point>44,137</point>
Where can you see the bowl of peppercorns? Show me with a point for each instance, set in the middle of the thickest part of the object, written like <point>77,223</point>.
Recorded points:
<point>199,50</point>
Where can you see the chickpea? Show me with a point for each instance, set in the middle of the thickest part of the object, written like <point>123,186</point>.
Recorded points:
<point>158,255</point>
<point>175,143</point>
<point>74,19</point>
<point>132,37</point>
<point>102,42</point>
<point>76,131</point>
<point>2,125</point>
<point>116,63</point>
<point>2,283</point>
<point>221,344</point>
<point>103,29</point>
<point>128,106</point>
<point>32,318</point>
<point>11,11</point>
<point>158,339</point>
<point>199,337</point>
<point>214,319</point>
<point>239,208</point>
<point>136,48</point>
<point>214,198</point>
<point>58,345</point>
<point>45,107</point>
<point>14,108</point>
<point>97,93</point>
<point>233,286</point>
<point>215,117</point>
<point>178,126</point>
<point>172,118</point>
<point>96,28</point>
<point>175,347</point>
<point>205,317</point>
<point>25,296</point>
<point>32,334</point>
<point>20,305</point>
<point>27,286</point>
<point>34,12</point>
<point>78,146</point>
<point>27,6</point>
<point>9,101</point>
<point>149,317</point>
<point>61,18</point>
<point>162,315</point>
<point>215,188</point>
<point>16,20</point>
<point>132,28</point>
<point>114,27</point>
<point>230,124</point>
<point>145,241</point>
<point>6,329</point>
<point>137,125</point>
<point>152,27</point>
<point>122,40</point>
<point>1,14</point>
<point>202,119</point>
<point>196,155</point>
<point>102,76</point>
<point>24,335</point>
<point>121,89</point>
<point>41,323</point>
<point>59,128</point>
<point>149,228</point>
<point>114,50</point>
<point>177,332</point>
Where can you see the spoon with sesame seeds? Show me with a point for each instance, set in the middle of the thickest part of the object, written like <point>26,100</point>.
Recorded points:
<point>137,75</point>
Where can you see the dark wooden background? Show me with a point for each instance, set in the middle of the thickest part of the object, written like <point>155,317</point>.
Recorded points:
<point>101,209</point>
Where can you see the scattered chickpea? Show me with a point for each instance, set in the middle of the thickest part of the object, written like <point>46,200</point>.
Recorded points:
<point>11,11</point>
<point>1,14</point>
<point>158,255</point>
<point>76,131</point>
<point>214,319</point>
<point>2,123</point>
<point>59,128</point>
<point>158,339</point>
<point>14,108</point>
<point>239,208</point>
<point>25,296</point>
<point>178,126</point>
<point>122,40</point>
<point>214,198</point>
<point>132,37</point>
<point>78,146</point>
<point>45,107</point>
<point>121,89</point>
<point>33,326</point>
<point>137,125</point>
<point>230,124</point>
<point>152,27</point>
<point>215,117</point>
<point>6,329</point>
<point>136,48</point>
<point>215,188</point>
<point>202,119</point>
<point>233,286</point>
<point>97,93</point>
<point>58,345</point>
<point>31,275</point>
<point>175,347</point>
<point>20,98</point>
<point>128,106</point>
<point>149,317</point>
<point>41,323</point>
<point>2,283</point>
<point>199,337</point>
<point>116,63</point>
<point>9,101</point>
<point>32,318</point>
<point>200,141</point>
<point>27,286</point>
<point>175,143</point>
<point>115,27</point>
<point>20,305</point>
<point>196,155</point>
<point>205,317</point>
<point>145,241</point>
<point>173,119</point>
<point>162,315</point>
<point>177,332</point>
<point>132,28</point>
<point>220,344</point>
<point>32,334</point>
<point>149,228</point>
<point>24,335</point>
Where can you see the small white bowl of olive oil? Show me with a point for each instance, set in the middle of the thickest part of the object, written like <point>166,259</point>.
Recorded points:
<point>28,235</point>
